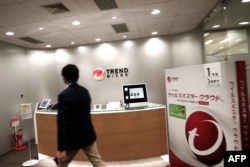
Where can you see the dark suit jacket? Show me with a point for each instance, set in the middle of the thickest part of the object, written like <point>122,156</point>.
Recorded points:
<point>75,128</point>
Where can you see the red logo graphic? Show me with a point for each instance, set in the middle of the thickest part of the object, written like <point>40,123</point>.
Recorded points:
<point>99,74</point>
<point>205,138</point>
<point>169,79</point>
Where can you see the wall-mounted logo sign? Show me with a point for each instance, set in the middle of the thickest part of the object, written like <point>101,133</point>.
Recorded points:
<point>100,73</point>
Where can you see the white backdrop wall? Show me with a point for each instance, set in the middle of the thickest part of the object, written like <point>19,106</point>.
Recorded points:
<point>38,72</point>
<point>13,84</point>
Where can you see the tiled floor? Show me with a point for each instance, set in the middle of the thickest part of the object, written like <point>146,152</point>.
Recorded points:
<point>150,162</point>
<point>18,158</point>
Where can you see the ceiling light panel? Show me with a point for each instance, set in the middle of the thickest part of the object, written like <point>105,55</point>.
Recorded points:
<point>10,33</point>
<point>76,23</point>
<point>245,1</point>
<point>155,12</point>
<point>244,23</point>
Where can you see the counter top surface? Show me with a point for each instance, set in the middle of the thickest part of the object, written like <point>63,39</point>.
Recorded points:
<point>120,110</point>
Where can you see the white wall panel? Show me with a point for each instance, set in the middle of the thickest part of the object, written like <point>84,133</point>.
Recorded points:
<point>13,84</point>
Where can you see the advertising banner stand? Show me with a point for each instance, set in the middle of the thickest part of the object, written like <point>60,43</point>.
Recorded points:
<point>26,114</point>
<point>208,113</point>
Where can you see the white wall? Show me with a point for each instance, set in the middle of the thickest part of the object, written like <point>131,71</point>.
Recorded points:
<point>186,49</point>
<point>43,76</point>
<point>37,73</point>
<point>13,84</point>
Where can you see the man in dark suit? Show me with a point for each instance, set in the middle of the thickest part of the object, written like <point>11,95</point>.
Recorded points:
<point>75,130</point>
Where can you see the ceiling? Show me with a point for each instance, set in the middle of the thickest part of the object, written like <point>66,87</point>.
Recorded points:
<point>25,17</point>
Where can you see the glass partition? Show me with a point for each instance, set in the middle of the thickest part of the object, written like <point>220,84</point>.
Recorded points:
<point>222,45</point>
<point>226,32</point>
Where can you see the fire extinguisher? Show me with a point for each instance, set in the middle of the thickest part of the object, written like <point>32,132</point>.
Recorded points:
<point>18,137</point>
<point>18,134</point>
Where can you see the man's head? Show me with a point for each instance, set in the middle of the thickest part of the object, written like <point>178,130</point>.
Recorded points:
<point>70,73</point>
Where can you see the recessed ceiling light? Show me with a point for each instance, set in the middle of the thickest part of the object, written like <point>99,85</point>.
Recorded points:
<point>10,33</point>
<point>216,26</point>
<point>40,28</point>
<point>244,23</point>
<point>154,33</point>
<point>113,17</point>
<point>156,11</point>
<point>98,39</point>
<point>48,46</point>
<point>124,36</point>
<point>76,23</point>
<point>72,43</point>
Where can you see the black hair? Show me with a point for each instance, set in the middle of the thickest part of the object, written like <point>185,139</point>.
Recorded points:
<point>71,73</point>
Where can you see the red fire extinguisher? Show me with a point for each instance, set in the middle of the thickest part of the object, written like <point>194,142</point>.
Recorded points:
<point>18,136</point>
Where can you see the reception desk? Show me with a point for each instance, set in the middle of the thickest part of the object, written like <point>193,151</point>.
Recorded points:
<point>121,134</point>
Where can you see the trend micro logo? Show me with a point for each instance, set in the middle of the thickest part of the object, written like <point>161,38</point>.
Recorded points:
<point>205,138</point>
<point>171,79</point>
<point>99,73</point>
